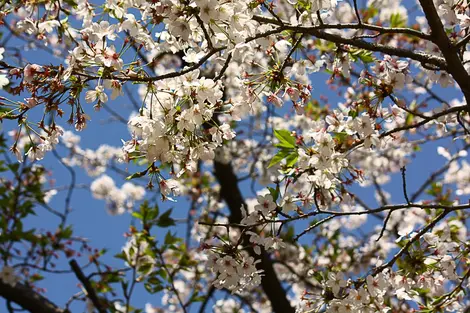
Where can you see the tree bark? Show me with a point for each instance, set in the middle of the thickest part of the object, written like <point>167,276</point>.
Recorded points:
<point>28,299</point>
<point>439,37</point>
<point>231,194</point>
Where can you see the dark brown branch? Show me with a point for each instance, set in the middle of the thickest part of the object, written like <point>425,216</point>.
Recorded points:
<point>462,42</point>
<point>91,294</point>
<point>231,194</point>
<point>421,57</point>
<point>383,208</point>
<point>370,27</point>
<point>384,227</point>
<point>439,37</point>
<point>28,299</point>
<point>356,10</point>
<point>224,68</point>
<point>206,33</point>
<point>405,248</point>
<point>318,31</point>
<point>313,226</point>
<point>403,178</point>
<point>416,125</point>
<point>207,297</point>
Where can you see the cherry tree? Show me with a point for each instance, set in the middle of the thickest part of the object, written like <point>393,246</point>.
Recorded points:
<point>318,149</point>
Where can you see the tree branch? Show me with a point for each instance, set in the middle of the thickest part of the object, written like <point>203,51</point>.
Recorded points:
<point>439,37</point>
<point>319,32</point>
<point>359,26</point>
<point>28,299</point>
<point>91,294</point>
<point>231,194</point>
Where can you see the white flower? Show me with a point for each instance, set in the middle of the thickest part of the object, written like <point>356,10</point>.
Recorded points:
<point>117,10</point>
<point>8,276</point>
<point>36,153</point>
<point>288,204</point>
<point>131,25</point>
<point>226,265</point>
<point>208,90</point>
<point>135,252</point>
<point>318,5</point>
<point>273,243</point>
<point>70,139</point>
<point>284,47</point>
<point>132,191</point>
<point>31,102</point>
<point>336,282</point>
<point>150,309</point>
<point>102,30</point>
<point>115,202</point>
<point>98,93</point>
<point>191,56</point>
<point>3,81</point>
<point>102,187</point>
<point>247,266</point>
<point>29,71</point>
<point>18,154</point>
<point>360,296</point>
<point>48,26</point>
<point>180,28</point>
<point>119,307</point>
<point>110,58</point>
<point>208,10</point>
<point>431,238</point>
<point>49,194</point>
<point>169,186</point>
<point>227,132</point>
<point>376,285</point>
<point>265,204</point>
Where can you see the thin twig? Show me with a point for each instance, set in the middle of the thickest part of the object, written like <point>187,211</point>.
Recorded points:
<point>385,225</point>
<point>403,178</point>
<point>359,21</point>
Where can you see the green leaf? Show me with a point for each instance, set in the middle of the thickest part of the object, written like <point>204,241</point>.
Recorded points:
<point>153,213</point>
<point>281,155</point>
<point>121,256</point>
<point>162,273</point>
<point>290,155</point>
<point>71,3</point>
<point>397,21</point>
<point>364,55</point>
<point>274,192</point>
<point>170,238</point>
<point>286,140</point>
<point>136,175</point>
<point>165,220</point>
<point>137,215</point>
<point>66,232</point>
<point>153,288</point>
<point>154,281</point>
<point>292,159</point>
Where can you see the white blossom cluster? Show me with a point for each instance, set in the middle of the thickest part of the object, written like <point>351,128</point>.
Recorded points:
<point>206,68</point>
<point>370,296</point>
<point>118,200</point>
<point>234,274</point>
